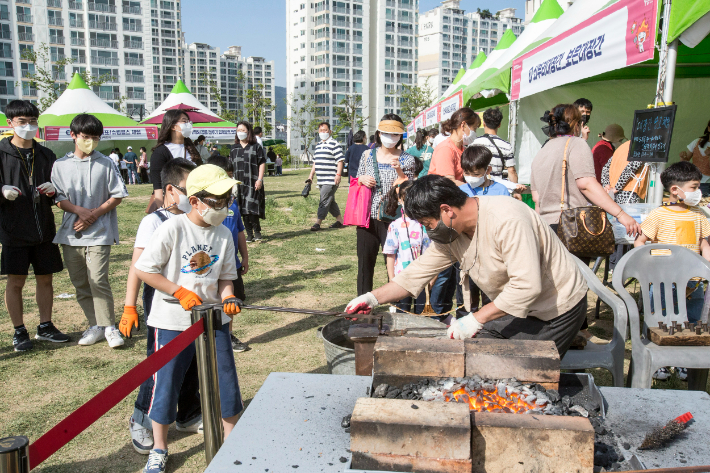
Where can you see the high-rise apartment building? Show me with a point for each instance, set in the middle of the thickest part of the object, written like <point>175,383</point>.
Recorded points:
<point>137,43</point>
<point>337,48</point>
<point>450,38</point>
<point>232,73</point>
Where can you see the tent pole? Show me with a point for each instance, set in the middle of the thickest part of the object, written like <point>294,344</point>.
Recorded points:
<point>513,122</point>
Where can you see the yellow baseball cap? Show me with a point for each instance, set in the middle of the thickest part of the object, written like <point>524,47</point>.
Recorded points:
<point>210,178</point>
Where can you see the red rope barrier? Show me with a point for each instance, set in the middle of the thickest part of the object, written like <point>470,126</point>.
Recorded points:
<point>65,431</point>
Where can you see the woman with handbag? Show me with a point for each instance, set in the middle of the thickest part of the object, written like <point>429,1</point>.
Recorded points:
<point>249,166</point>
<point>378,170</point>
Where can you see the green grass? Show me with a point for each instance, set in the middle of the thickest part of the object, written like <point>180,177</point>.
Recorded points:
<point>42,387</point>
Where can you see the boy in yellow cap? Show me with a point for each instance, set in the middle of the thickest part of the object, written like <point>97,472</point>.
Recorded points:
<point>190,261</point>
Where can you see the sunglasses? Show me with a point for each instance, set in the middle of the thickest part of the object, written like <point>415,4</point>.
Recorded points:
<point>218,204</point>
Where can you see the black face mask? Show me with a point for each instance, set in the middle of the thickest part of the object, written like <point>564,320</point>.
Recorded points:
<point>442,233</point>
<point>586,118</point>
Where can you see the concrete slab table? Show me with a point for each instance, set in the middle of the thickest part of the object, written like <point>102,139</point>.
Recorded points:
<point>293,424</point>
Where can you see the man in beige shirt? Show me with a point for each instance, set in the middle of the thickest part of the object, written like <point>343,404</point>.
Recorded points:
<point>537,291</point>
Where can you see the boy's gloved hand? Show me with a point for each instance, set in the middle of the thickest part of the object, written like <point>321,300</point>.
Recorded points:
<point>231,305</point>
<point>187,298</point>
<point>465,327</point>
<point>129,320</point>
<point>47,189</point>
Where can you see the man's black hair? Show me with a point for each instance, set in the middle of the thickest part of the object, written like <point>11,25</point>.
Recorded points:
<point>427,195</point>
<point>492,118</point>
<point>223,162</point>
<point>359,137</point>
<point>21,108</point>
<point>86,124</point>
<point>586,103</point>
<point>175,171</point>
<point>372,138</point>
<point>679,173</point>
<point>476,157</point>
<point>257,130</point>
<point>324,123</point>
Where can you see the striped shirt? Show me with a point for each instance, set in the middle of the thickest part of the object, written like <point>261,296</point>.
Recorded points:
<point>684,227</point>
<point>328,155</point>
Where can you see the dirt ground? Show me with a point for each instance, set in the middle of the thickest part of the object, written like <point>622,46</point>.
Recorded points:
<point>292,267</point>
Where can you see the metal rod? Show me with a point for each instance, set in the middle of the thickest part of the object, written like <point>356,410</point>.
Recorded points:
<point>312,312</point>
<point>675,469</point>
<point>14,455</point>
<point>209,381</point>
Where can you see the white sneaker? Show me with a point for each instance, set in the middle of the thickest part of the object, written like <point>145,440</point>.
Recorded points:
<point>113,337</point>
<point>92,335</point>
<point>195,427</point>
<point>156,461</point>
<point>662,374</point>
<point>142,437</point>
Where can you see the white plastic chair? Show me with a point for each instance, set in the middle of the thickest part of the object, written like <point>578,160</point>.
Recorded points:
<point>661,271</point>
<point>611,355</point>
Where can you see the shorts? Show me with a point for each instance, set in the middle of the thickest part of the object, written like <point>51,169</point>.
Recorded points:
<point>168,380</point>
<point>45,258</point>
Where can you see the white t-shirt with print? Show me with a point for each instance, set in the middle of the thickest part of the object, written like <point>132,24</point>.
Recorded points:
<point>193,257</point>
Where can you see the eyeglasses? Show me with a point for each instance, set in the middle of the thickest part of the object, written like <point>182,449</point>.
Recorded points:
<point>26,121</point>
<point>87,137</point>
<point>218,204</point>
<point>181,189</point>
<point>184,120</point>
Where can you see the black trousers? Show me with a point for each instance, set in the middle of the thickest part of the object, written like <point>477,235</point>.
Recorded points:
<point>369,242</point>
<point>252,224</point>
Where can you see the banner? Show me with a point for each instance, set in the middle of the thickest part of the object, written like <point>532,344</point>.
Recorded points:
<point>450,105</point>
<point>614,38</point>
<point>63,133</point>
<point>214,133</point>
<point>431,116</point>
<point>419,122</point>
<point>411,129</point>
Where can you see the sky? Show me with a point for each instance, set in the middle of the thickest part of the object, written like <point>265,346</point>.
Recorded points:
<point>260,26</point>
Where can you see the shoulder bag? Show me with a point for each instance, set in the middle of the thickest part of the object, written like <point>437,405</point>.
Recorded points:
<point>585,231</point>
<point>381,208</point>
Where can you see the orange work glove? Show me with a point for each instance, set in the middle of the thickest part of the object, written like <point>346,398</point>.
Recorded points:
<point>129,320</point>
<point>187,298</point>
<point>231,305</point>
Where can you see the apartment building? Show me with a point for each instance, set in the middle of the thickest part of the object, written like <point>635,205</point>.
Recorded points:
<point>232,73</point>
<point>450,38</point>
<point>135,42</point>
<point>340,48</point>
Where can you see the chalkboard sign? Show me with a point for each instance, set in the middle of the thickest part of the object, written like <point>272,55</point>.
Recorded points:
<point>651,134</point>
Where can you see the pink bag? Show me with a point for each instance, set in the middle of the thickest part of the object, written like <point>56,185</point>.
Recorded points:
<point>357,209</point>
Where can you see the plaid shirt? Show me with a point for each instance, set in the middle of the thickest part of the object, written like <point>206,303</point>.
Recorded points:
<point>387,176</point>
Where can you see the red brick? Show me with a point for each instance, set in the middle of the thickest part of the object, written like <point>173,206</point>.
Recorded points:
<point>419,357</point>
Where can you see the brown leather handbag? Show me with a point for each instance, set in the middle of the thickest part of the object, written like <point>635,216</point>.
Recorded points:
<point>585,231</point>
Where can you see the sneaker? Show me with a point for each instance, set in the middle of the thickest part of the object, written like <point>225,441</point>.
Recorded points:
<point>238,346</point>
<point>142,437</point>
<point>682,373</point>
<point>196,427</point>
<point>21,340</point>
<point>337,225</point>
<point>250,238</point>
<point>91,336</point>
<point>257,236</point>
<point>662,374</point>
<point>113,337</point>
<point>156,461</point>
<point>315,227</point>
<point>50,333</point>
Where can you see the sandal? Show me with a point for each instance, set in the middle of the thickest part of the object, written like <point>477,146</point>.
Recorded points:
<point>315,227</point>
<point>337,225</point>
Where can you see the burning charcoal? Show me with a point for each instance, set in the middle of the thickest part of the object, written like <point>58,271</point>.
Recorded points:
<point>458,380</point>
<point>507,410</point>
<point>489,387</point>
<point>448,385</point>
<point>553,395</point>
<point>501,390</point>
<point>566,401</point>
<point>381,390</point>
<point>393,393</point>
<point>531,399</point>
<point>579,410</point>
<point>540,388</point>
<point>345,423</point>
<point>427,396</point>
<point>541,402</point>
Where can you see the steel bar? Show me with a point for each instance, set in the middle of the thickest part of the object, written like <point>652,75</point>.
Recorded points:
<point>209,381</point>
<point>675,469</point>
<point>312,312</point>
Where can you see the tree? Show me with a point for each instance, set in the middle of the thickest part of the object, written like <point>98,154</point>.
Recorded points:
<point>303,121</point>
<point>43,77</point>
<point>485,14</point>
<point>413,99</point>
<point>257,107</point>
<point>349,114</point>
<point>216,93</point>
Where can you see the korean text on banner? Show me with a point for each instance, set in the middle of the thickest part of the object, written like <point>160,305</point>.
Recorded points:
<point>431,116</point>
<point>419,121</point>
<point>63,133</point>
<point>618,36</point>
<point>450,105</point>
<point>411,129</point>
<point>213,133</point>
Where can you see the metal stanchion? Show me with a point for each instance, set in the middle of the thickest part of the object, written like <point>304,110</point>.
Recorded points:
<point>209,381</point>
<point>14,456</point>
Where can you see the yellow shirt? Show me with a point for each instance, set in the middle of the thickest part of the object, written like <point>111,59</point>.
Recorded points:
<point>677,226</point>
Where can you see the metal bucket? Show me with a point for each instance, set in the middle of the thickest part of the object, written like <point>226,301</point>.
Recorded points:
<point>339,350</point>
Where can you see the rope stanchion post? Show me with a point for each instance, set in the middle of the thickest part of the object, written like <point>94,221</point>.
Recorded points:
<point>14,455</point>
<point>209,382</point>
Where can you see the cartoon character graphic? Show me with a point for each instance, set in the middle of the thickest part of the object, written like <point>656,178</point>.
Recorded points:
<point>640,33</point>
<point>200,263</point>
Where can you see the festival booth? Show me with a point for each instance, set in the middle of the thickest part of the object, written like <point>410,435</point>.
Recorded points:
<point>215,129</point>
<point>119,130</point>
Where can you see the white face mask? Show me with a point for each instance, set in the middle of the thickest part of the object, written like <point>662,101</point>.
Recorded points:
<point>468,139</point>
<point>242,135</point>
<point>475,181</point>
<point>26,132</point>
<point>323,136</point>
<point>183,203</point>
<point>692,198</point>
<point>186,129</point>
<point>389,140</point>
<point>214,217</point>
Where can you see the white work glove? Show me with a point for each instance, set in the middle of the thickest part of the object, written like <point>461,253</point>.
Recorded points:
<point>47,189</point>
<point>11,192</point>
<point>463,328</point>
<point>363,304</point>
